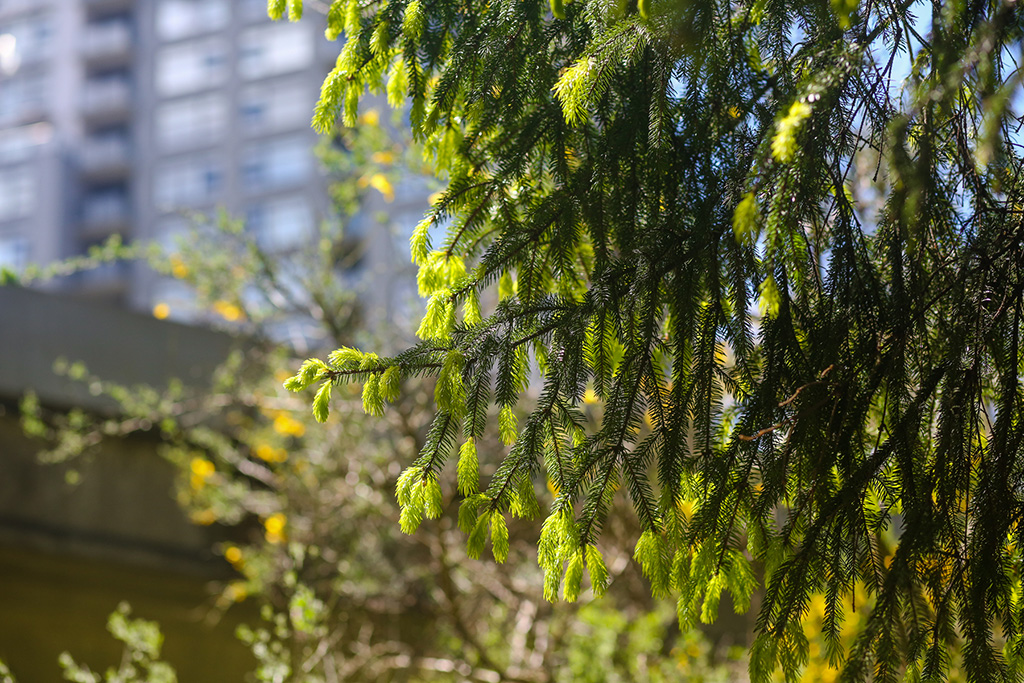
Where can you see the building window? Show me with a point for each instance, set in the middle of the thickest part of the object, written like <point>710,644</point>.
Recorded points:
<point>183,18</point>
<point>253,10</point>
<point>253,114</point>
<point>105,206</point>
<point>17,144</point>
<point>192,121</point>
<point>272,107</point>
<point>274,49</point>
<point>280,223</point>
<point>277,163</point>
<point>171,230</point>
<point>191,66</point>
<point>14,252</point>
<point>17,192</point>
<point>22,97</point>
<point>24,41</point>
<point>187,182</point>
<point>111,36</point>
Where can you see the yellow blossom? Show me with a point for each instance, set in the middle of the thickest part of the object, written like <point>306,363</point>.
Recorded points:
<point>233,554</point>
<point>202,467</point>
<point>370,118</point>
<point>236,591</point>
<point>288,426</point>
<point>383,185</point>
<point>205,517</point>
<point>265,451</point>
<point>274,525</point>
<point>384,157</point>
<point>227,310</point>
<point>161,311</point>
<point>178,267</point>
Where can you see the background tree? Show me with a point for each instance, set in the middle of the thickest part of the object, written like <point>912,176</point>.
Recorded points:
<point>781,244</point>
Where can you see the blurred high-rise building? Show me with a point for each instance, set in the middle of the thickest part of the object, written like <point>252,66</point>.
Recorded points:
<point>122,116</point>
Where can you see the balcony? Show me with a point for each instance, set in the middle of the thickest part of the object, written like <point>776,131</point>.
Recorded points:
<point>105,158</point>
<point>107,100</point>
<point>105,281</point>
<point>99,7</point>
<point>12,7</point>
<point>104,214</point>
<point>106,44</point>
<point>24,114</point>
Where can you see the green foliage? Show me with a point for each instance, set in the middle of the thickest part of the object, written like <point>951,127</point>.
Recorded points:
<point>5,673</point>
<point>141,661</point>
<point>305,507</point>
<point>276,8</point>
<point>608,648</point>
<point>468,469</point>
<point>598,570</point>
<point>111,250</point>
<point>322,402</point>
<point>499,536</point>
<point>791,278</point>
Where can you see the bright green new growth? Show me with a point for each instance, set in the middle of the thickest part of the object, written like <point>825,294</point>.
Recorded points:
<point>784,144</point>
<point>508,425</point>
<point>420,497</point>
<point>469,468</point>
<point>450,392</point>
<point>276,8</point>
<point>744,219</point>
<point>321,402</point>
<point>790,282</point>
<point>499,536</point>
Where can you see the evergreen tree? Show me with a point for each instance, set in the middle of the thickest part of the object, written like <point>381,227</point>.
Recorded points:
<point>303,514</point>
<point>781,242</point>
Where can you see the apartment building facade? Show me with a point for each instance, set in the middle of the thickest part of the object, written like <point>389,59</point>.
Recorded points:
<point>125,116</point>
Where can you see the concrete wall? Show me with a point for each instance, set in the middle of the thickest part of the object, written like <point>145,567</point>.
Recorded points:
<point>70,554</point>
<point>38,328</point>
